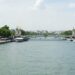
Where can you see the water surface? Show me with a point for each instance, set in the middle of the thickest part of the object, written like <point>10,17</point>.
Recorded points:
<point>38,58</point>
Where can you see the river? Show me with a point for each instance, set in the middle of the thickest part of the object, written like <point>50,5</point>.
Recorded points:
<point>37,58</point>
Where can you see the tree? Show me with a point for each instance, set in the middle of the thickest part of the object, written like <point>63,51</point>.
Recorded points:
<point>45,34</point>
<point>69,32</point>
<point>5,27</point>
<point>22,32</point>
<point>5,31</point>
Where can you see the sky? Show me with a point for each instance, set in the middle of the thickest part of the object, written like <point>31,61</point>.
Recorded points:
<point>32,15</point>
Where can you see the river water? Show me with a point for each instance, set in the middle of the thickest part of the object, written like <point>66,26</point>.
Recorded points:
<point>38,58</point>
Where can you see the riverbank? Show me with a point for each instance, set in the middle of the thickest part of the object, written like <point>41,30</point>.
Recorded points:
<point>17,39</point>
<point>4,41</point>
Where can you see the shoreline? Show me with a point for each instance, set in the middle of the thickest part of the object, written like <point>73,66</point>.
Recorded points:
<point>4,41</point>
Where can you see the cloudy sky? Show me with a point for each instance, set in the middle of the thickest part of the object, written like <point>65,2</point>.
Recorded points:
<point>32,15</point>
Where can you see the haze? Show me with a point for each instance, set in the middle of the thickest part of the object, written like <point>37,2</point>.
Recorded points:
<point>51,15</point>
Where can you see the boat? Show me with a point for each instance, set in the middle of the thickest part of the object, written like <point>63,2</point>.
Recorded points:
<point>21,39</point>
<point>25,38</point>
<point>2,41</point>
<point>71,39</point>
<point>18,39</point>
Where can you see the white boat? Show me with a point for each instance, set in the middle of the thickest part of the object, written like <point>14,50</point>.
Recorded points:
<point>68,39</point>
<point>19,39</point>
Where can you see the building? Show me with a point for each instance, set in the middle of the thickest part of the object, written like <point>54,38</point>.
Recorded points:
<point>18,32</point>
<point>73,32</point>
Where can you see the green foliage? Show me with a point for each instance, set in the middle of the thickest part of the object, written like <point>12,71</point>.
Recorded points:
<point>28,32</point>
<point>69,32</point>
<point>5,31</point>
<point>5,27</point>
<point>22,32</point>
<point>45,34</point>
<point>12,32</point>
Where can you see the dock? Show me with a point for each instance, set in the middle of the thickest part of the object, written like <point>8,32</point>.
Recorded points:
<point>4,41</point>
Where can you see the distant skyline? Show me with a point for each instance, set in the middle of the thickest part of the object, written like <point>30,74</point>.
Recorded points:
<point>51,15</point>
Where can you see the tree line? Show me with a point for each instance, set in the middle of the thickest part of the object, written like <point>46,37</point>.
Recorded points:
<point>5,31</point>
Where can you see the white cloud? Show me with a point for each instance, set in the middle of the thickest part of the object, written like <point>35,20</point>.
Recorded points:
<point>19,13</point>
<point>72,5</point>
<point>39,4</point>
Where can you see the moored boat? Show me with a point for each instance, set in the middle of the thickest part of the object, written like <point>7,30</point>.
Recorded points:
<point>18,39</point>
<point>21,39</point>
<point>4,41</point>
<point>25,38</point>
